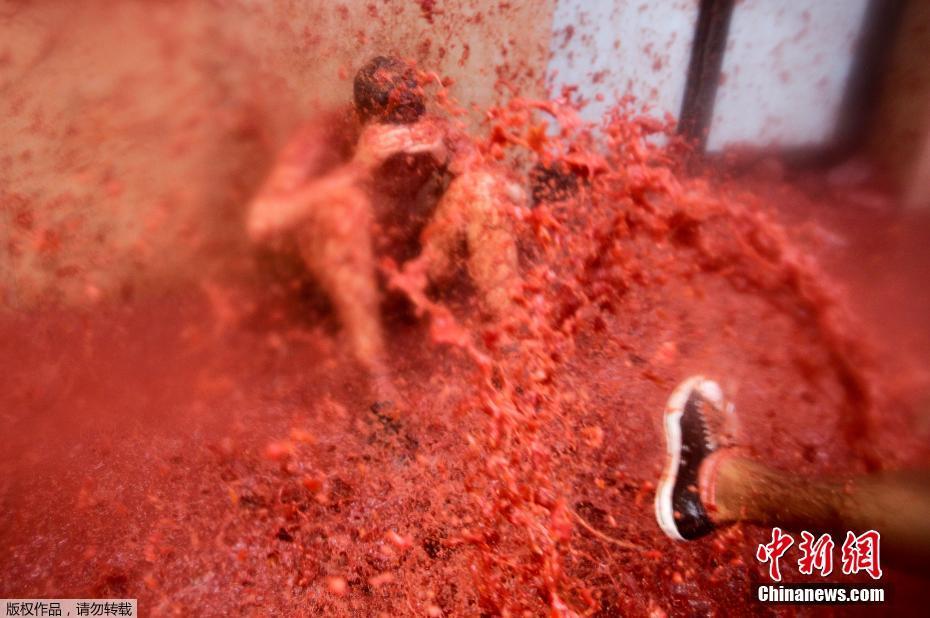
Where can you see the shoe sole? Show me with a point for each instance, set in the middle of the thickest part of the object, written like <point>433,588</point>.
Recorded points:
<point>674,409</point>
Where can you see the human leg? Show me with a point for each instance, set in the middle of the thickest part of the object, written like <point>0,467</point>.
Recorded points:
<point>706,485</point>
<point>443,234</point>
<point>492,250</point>
<point>336,246</point>
<point>896,504</point>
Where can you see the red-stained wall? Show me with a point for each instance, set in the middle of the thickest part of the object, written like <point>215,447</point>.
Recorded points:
<point>132,133</point>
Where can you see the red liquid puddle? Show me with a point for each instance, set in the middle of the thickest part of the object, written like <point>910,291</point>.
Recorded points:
<point>154,454</point>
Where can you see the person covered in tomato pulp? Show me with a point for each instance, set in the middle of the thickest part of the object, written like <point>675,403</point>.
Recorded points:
<point>409,189</point>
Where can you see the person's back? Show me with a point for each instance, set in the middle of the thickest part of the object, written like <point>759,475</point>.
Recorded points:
<point>404,192</point>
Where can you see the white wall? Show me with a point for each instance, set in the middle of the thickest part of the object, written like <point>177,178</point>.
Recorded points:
<point>785,71</point>
<point>638,47</point>
<point>785,67</point>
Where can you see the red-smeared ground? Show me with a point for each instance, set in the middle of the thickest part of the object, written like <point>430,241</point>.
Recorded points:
<point>153,451</point>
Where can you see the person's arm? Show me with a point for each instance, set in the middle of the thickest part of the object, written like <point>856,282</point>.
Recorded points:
<point>290,194</point>
<point>281,201</point>
<point>378,142</point>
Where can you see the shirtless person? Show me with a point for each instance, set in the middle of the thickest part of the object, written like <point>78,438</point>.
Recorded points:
<point>328,206</point>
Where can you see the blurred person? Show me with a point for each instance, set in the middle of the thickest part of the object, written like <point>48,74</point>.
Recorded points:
<point>709,483</point>
<point>328,206</point>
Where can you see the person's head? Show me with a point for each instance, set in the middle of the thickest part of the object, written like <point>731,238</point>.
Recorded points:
<point>552,182</point>
<point>386,90</point>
